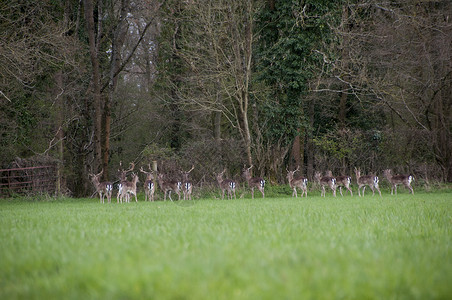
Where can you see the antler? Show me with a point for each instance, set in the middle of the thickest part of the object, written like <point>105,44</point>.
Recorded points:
<point>96,175</point>
<point>132,164</point>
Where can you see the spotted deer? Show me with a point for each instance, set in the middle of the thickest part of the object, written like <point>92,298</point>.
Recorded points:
<point>149,186</point>
<point>129,188</point>
<point>297,182</point>
<point>123,179</point>
<point>394,180</point>
<point>187,185</point>
<point>168,186</point>
<point>326,181</point>
<point>226,185</point>
<point>254,182</point>
<point>370,180</point>
<point>342,181</point>
<point>102,188</point>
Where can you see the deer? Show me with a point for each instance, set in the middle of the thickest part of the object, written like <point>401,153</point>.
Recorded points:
<point>342,181</point>
<point>226,184</point>
<point>169,186</point>
<point>149,186</point>
<point>326,181</point>
<point>129,187</point>
<point>300,182</point>
<point>394,180</point>
<point>187,185</point>
<point>370,180</point>
<point>123,179</point>
<point>102,188</point>
<point>254,182</point>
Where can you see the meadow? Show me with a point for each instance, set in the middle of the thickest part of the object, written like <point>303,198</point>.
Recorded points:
<point>393,247</point>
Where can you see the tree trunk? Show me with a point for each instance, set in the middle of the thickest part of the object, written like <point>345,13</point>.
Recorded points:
<point>118,41</point>
<point>60,134</point>
<point>89,16</point>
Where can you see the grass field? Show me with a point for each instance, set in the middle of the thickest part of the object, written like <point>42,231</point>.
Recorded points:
<point>277,248</point>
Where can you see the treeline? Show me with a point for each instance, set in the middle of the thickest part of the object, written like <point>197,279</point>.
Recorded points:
<point>324,85</point>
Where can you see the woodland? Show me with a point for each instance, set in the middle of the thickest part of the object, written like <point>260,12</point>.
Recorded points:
<point>220,84</point>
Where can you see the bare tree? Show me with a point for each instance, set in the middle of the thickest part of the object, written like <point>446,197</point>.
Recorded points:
<point>396,55</point>
<point>216,48</point>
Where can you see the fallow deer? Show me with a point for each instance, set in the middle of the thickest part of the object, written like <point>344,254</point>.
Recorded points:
<point>300,182</point>
<point>394,180</point>
<point>187,185</point>
<point>226,185</point>
<point>102,188</point>
<point>326,181</point>
<point>370,180</point>
<point>254,182</point>
<point>149,186</point>
<point>342,181</point>
<point>169,186</point>
<point>129,187</point>
<point>123,179</point>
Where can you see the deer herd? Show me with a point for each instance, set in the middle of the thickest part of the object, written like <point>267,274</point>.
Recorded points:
<point>126,188</point>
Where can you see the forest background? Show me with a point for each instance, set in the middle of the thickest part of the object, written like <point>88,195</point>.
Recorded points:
<point>324,85</point>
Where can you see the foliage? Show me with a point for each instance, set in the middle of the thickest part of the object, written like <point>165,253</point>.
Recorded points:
<point>336,84</point>
<point>290,33</point>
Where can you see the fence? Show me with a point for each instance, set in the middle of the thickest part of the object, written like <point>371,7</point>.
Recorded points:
<point>29,180</point>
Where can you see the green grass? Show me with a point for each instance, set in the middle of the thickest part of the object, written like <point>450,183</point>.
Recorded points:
<point>277,248</point>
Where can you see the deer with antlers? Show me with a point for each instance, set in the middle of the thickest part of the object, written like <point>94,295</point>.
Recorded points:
<point>254,182</point>
<point>149,186</point>
<point>342,181</point>
<point>187,185</point>
<point>128,188</point>
<point>297,182</point>
<point>326,181</point>
<point>370,180</point>
<point>394,180</point>
<point>226,185</point>
<point>169,186</point>
<point>102,188</point>
<point>122,180</point>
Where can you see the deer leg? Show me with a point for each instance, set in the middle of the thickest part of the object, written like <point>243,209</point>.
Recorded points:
<point>378,189</point>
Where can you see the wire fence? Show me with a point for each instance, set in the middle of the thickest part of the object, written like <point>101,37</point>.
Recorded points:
<point>28,180</point>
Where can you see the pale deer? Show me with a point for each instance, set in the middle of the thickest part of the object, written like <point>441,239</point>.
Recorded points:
<point>254,182</point>
<point>394,180</point>
<point>300,182</point>
<point>370,180</point>
<point>128,188</point>
<point>169,186</point>
<point>149,186</point>
<point>342,181</point>
<point>102,188</point>
<point>326,181</point>
<point>187,185</point>
<point>122,180</point>
<point>226,185</point>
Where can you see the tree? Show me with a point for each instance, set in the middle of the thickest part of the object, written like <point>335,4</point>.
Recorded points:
<point>397,56</point>
<point>290,34</point>
<point>212,42</point>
